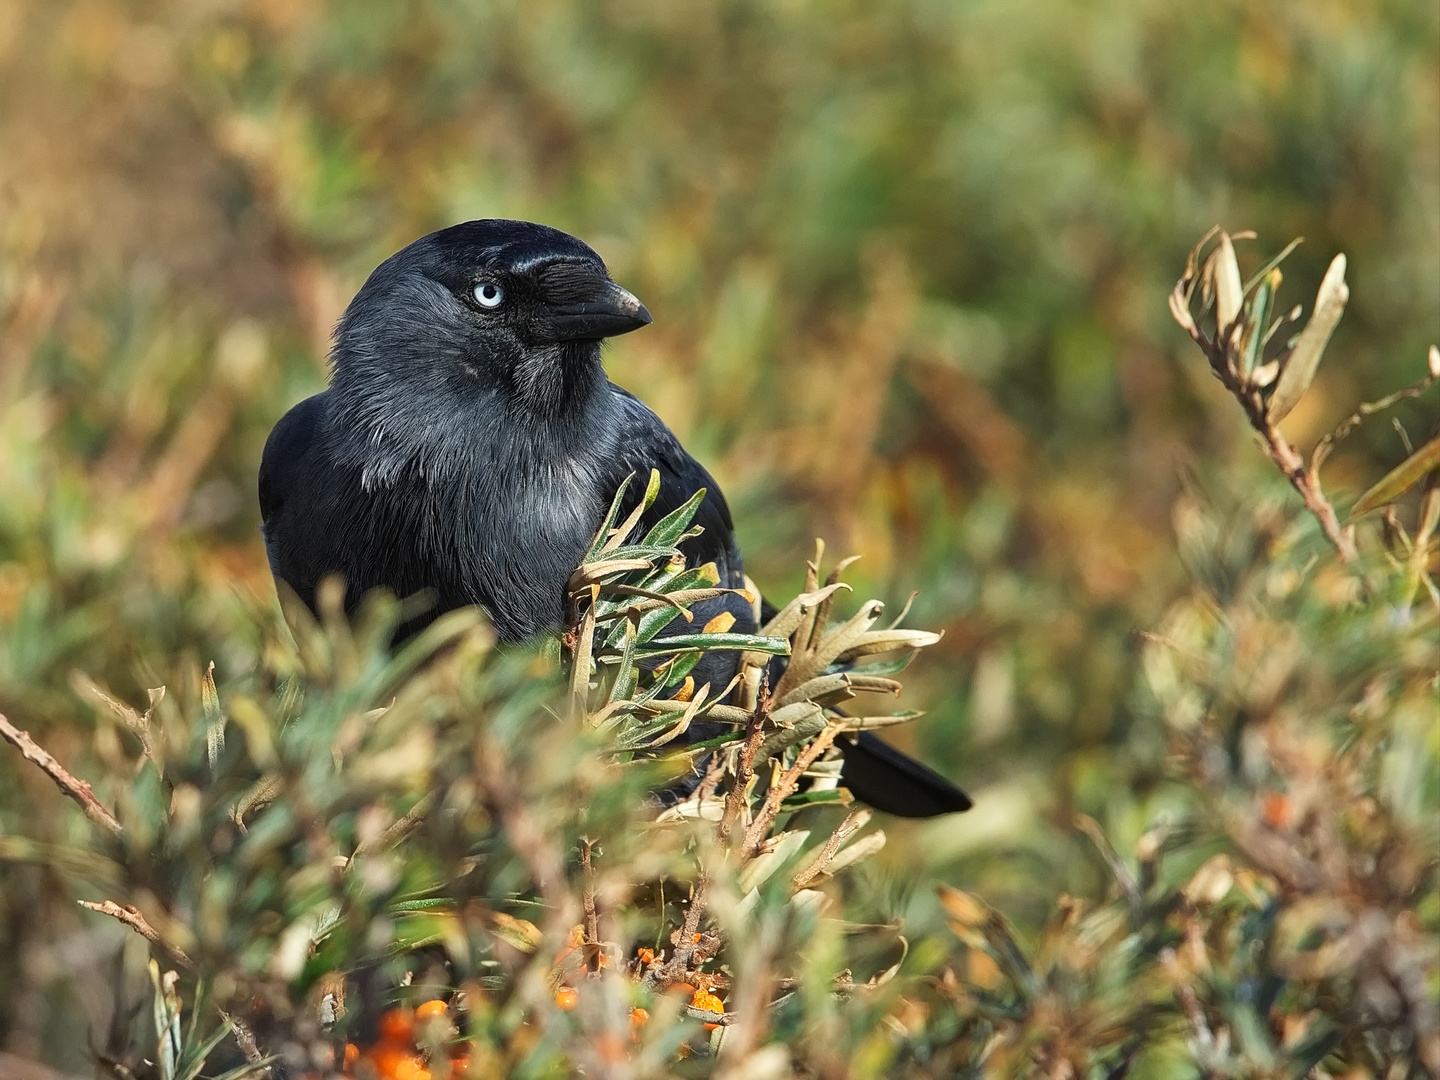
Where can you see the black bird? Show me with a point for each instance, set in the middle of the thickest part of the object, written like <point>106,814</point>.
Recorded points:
<point>470,443</point>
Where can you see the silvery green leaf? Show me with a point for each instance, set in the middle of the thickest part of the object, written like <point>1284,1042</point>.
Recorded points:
<point>625,528</point>
<point>1401,478</point>
<point>1251,343</point>
<point>1298,369</point>
<point>787,619</point>
<point>669,528</point>
<point>712,642</point>
<point>883,641</point>
<point>598,544</point>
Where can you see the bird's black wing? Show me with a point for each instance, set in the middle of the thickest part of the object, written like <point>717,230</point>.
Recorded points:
<point>281,466</point>
<point>645,444</point>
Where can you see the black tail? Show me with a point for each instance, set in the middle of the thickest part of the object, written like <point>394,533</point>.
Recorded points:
<point>880,776</point>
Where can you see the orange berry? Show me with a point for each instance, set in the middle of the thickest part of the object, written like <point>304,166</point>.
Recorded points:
<point>397,1063</point>
<point>459,1064</point>
<point>610,1049</point>
<point>703,999</point>
<point>1276,810</point>
<point>639,1018</point>
<point>680,988</point>
<point>352,1054</point>
<point>430,1009</point>
<point>566,997</point>
<point>397,1025</point>
<point>645,956</point>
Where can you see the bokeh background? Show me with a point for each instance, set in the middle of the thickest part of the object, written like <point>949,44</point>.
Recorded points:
<point>908,265</point>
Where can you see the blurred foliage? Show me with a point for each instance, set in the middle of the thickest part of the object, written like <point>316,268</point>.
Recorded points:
<point>355,832</point>
<point>908,264</point>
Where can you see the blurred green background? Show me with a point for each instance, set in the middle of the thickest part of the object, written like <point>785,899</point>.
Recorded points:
<point>908,265</point>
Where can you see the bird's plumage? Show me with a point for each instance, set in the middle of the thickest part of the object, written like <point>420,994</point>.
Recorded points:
<point>470,442</point>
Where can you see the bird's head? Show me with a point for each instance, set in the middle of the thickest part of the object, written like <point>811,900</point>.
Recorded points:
<point>486,311</point>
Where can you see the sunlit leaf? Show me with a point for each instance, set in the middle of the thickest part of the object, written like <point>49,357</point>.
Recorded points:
<point>1400,479</point>
<point>1298,369</point>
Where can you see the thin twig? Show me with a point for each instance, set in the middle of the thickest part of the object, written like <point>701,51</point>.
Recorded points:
<point>1126,880</point>
<point>810,873</point>
<point>687,944</point>
<point>245,1039</point>
<point>396,832</point>
<point>592,917</point>
<point>1370,408</point>
<point>783,789</point>
<point>1286,458</point>
<point>714,773</point>
<point>79,790</point>
<point>718,1018</point>
<point>131,917</point>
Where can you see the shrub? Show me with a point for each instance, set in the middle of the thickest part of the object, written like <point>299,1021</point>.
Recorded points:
<point>450,859</point>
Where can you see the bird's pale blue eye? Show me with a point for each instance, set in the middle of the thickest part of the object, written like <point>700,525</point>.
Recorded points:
<point>488,294</point>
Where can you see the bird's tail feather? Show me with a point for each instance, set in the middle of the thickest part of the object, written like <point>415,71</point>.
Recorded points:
<point>880,776</point>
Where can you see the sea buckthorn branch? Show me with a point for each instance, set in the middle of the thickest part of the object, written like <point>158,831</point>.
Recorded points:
<point>77,789</point>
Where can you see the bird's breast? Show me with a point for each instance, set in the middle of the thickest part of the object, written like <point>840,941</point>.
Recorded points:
<point>509,540</point>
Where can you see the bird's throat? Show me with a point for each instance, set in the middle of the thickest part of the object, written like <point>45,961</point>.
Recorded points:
<point>559,384</point>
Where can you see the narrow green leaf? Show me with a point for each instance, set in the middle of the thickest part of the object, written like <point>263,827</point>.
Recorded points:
<point>1315,1047</point>
<point>652,489</point>
<point>711,744</point>
<point>425,904</point>
<point>619,532</point>
<point>166,1046</point>
<point>669,528</point>
<point>1271,264</point>
<point>214,718</point>
<point>1255,322</point>
<point>713,642</point>
<point>250,1068</point>
<point>642,736</point>
<point>195,1011</point>
<point>647,551</point>
<point>609,523</point>
<point>652,622</point>
<point>193,1060</point>
<point>824,797</point>
<point>681,666</point>
<point>1400,479</point>
<point>628,674</point>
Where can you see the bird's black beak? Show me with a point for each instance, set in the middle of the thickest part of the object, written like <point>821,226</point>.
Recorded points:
<point>611,311</point>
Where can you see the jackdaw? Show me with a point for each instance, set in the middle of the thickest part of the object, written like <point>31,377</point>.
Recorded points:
<point>470,443</point>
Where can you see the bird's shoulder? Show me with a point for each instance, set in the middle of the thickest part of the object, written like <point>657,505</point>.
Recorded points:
<point>645,443</point>
<point>286,450</point>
